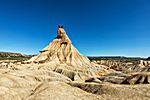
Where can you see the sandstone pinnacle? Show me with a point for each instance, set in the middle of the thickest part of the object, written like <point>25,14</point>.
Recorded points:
<point>61,51</point>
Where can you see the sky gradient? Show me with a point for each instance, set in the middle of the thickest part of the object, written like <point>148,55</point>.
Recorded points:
<point>96,27</point>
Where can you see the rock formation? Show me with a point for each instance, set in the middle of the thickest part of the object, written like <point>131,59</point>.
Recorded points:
<point>61,51</point>
<point>126,72</point>
<point>62,57</point>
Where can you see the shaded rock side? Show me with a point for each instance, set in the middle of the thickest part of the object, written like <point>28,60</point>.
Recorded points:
<point>140,77</point>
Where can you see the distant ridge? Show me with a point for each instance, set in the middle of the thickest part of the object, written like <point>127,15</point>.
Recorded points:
<point>114,58</point>
<point>13,56</point>
<point>19,56</point>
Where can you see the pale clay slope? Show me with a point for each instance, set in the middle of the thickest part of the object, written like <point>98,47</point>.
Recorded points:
<point>32,84</point>
<point>27,83</point>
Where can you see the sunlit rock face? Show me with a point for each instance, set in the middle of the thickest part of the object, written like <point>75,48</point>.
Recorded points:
<point>61,51</point>
<point>66,59</point>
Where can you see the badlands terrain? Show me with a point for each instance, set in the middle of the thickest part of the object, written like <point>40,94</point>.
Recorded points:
<point>60,72</point>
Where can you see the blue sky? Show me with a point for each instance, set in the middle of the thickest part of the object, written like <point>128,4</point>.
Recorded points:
<point>96,27</point>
